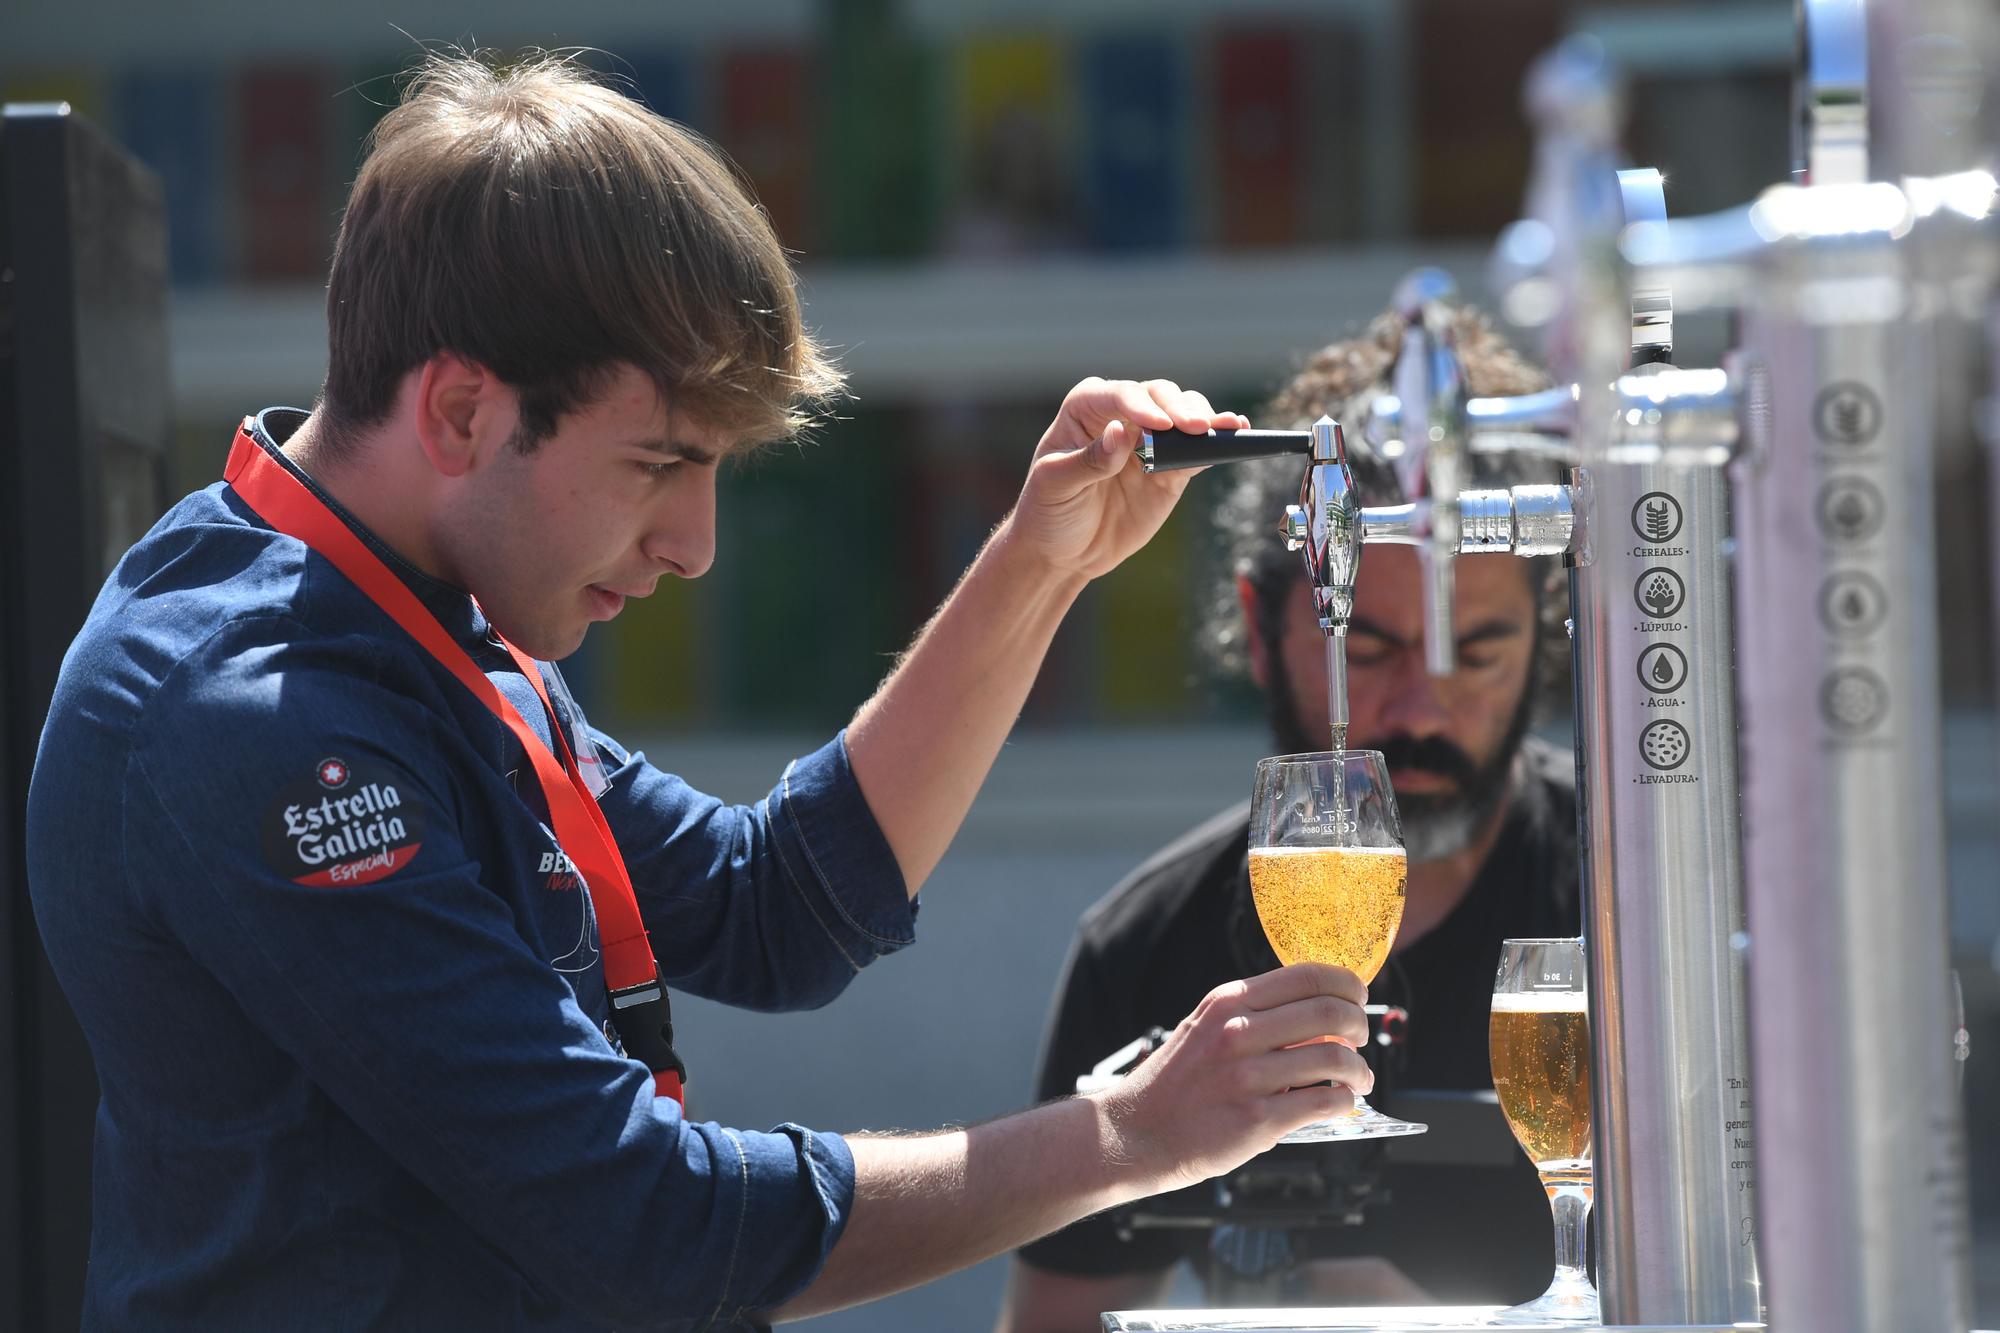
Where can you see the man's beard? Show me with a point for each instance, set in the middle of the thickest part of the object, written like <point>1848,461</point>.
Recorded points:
<point>1435,825</point>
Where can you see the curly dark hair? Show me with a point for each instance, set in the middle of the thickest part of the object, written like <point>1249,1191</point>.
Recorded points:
<point>1339,380</point>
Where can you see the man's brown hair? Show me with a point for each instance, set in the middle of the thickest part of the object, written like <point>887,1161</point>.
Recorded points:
<point>547,227</point>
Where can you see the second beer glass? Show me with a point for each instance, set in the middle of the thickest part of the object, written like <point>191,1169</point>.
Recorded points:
<point>1540,1044</point>
<point>1327,869</point>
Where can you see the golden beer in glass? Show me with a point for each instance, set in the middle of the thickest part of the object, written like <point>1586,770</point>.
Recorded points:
<point>1327,872</point>
<point>1540,1045</point>
<point>1539,1041</point>
<point>1338,905</point>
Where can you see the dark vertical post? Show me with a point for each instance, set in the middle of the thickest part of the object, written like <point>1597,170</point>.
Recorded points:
<point>83,449</point>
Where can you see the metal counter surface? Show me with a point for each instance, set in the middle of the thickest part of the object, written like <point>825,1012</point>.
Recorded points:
<point>1367,1319</point>
<point>1357,1319</point>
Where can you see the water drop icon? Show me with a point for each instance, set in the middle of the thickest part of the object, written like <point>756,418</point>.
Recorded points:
<point>1663,670</point>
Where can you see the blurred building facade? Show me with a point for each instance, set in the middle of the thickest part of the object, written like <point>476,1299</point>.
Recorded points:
<point>987,201</point>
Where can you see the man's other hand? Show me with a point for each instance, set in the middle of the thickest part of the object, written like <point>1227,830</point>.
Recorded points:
<point>1248,1066</point>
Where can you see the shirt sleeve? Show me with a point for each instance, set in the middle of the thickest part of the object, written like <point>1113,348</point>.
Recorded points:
<point>298,827</point>
<point>775,905</point>
<point>1090,1020</point>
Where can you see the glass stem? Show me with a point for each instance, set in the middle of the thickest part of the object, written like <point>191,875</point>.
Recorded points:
<point>1569,1200</point>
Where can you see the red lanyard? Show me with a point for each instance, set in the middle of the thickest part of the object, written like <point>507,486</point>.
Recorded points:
<point>638,997</point>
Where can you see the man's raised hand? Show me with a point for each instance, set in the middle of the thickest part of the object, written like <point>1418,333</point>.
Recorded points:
<point>1087,503</point>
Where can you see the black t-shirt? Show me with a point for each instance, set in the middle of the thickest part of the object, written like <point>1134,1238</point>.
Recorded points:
<point>1183,923</point>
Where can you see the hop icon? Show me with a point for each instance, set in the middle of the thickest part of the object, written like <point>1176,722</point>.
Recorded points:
<point>1660,596</point>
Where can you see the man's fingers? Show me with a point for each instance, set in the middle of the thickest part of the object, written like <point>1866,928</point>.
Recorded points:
<point>1116,445</point>
<point>1095,403</point>
<point>1302,1066</point>
<point>1300,981</point>
<point>1152,405</point>
<point>1190,410</point>
<point>1310,1019</point>
<point>1305,1105</point>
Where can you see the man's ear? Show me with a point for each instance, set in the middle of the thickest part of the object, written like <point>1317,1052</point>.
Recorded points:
<point>1253,638</point>
<point>463,413</point>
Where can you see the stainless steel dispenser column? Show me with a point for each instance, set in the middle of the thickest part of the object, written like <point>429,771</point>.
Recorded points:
<point>1665,899</point>
<point>1656,742</point>
<point>1861,1208</point>
<point>1863,1215</point>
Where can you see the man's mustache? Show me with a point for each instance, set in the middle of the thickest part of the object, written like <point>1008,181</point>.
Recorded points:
<point>1432,754</point>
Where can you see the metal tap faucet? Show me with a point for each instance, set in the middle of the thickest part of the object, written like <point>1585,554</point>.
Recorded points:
<point>1426,446</point>
<point>1327,526</point>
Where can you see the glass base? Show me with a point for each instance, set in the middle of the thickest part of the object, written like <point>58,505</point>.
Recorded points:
<point>1570,1299</point>
<point>1363,1122</point>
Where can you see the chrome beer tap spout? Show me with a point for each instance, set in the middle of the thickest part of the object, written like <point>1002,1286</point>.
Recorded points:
<point>1326,527</point>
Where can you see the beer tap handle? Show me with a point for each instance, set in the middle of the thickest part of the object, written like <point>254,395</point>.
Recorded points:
<point>1643,193</point>
<point>1830,94</point>
<point>1556,270</point>
<point>1167,450</point>
<point>1430,457</point>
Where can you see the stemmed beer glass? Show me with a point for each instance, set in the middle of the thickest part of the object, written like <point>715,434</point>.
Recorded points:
<point>1327,870</point>
<point>1539,1039</point>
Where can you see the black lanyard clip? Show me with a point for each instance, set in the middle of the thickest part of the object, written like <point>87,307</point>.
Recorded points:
<point>645,1022</point>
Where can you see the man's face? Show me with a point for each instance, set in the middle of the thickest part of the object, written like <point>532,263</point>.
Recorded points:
<point>1448,741</point>
<point>551,540</point>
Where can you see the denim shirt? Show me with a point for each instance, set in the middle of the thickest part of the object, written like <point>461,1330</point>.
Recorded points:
<point>343,988</point>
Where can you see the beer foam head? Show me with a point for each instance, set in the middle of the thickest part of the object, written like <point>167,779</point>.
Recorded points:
<point>1539,1002</point>
<point>1322,851</point>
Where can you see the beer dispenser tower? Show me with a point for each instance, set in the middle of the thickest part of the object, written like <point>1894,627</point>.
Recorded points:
<point>1852,292</point>
<point>1806,469</point>
<point>1654,647</point>
<point>1640,523</point>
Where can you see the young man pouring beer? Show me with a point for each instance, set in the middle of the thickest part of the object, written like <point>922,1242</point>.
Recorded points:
<point>369,929</point>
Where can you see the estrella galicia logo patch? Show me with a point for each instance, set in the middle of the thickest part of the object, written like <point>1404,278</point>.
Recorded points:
<point>343,825</point>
